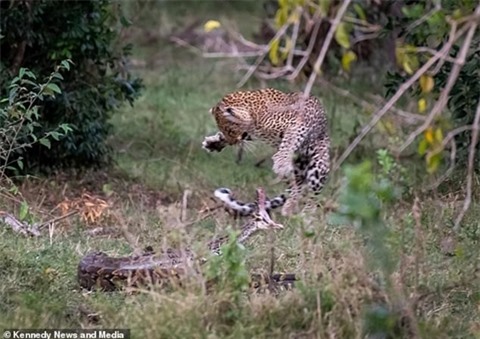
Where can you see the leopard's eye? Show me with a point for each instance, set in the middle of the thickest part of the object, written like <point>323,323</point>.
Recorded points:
<point>244,136</point>
<point>229,110</point>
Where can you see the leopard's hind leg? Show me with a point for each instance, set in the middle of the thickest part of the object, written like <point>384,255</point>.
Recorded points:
<point>318,170</point>
<point>296,185</point>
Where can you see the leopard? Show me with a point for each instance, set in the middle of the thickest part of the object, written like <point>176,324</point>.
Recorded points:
<point>293,124</point>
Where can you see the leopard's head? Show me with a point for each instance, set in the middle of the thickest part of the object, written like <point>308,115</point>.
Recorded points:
<point>237,112</point>
<point>232,115</point>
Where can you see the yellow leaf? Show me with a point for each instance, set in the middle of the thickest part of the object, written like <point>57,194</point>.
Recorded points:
<point>281,16</point>
<point>433,161</point>
<point>406,57</point>
<point>426,83</point>
<point>429,135</point>
<point>210,25</point>
<point>288,47</point>
<point>347,59</point>
<point>407,67</point>
<point>422,147</point>
<point>386,127</point>
<point>273,53</point>
<point>457,14</point>
<point>294,17</point>
<point>360,12</point>
<point>438,135</point>
<point>390,127</point>
<point>324,5</point>
<point>410,48</point>
<point>422,105</point>
<point>341,35</point>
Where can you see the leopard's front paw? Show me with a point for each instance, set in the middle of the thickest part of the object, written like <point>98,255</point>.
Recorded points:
<point>282,166</point>
<point>214,143</point>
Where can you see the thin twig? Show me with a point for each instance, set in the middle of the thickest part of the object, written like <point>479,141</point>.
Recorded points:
<point>259,60</point>
<point>296,28</point>
<point>232,55</point>
<point>326,44</point>
<point>471,160</point>
<point>431,51</point>
<point>272,252</point>
<point>46,223</point>
<point>311,44</point>
<point>451,38</point>
<point>365,37</point>
<point>424,18</point>
<point>368,105</point>
<point>183,213</point>
<point>454,132</point>
<point>206,213</point>
<point>129,237</point>
<point>448,172</point>
<point>362,25</point>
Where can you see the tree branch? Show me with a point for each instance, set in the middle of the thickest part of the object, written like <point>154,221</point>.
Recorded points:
<point>452,78</point>
<point>403,88</point>
<point>326,44</point>
<point>311,44</point>
<point>471,160</point>
<point>259,60</point>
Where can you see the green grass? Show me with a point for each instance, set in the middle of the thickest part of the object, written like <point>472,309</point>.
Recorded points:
<point>159,156</point>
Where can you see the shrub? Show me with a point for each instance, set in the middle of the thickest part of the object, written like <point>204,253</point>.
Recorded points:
<point>19,116</point>
<point>463,97</point>
<point>39,34</point>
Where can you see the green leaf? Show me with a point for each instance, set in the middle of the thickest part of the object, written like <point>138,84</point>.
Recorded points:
<point>273,53</point>
<point>360,12</point>
<point>45,142</point>
<point>23,210</point>
<point>342,36</point>
<point>66,128</point>
<point>347,59</point>
<point>422,147</point>
<point>65,63</point>
<point>30,75</point>
<point>324,6</point>
<point>29,82</point>
<point>54,135</point>
<point>309,234</point>
<point>433,161</point>
<point>125,22</point>
<point>54,87</point>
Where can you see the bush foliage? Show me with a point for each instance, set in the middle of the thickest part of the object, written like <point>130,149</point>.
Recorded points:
<point>394,36</point>
<point>38,35</point>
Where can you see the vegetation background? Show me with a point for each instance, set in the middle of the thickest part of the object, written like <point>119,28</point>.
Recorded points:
<point>391,253</point>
